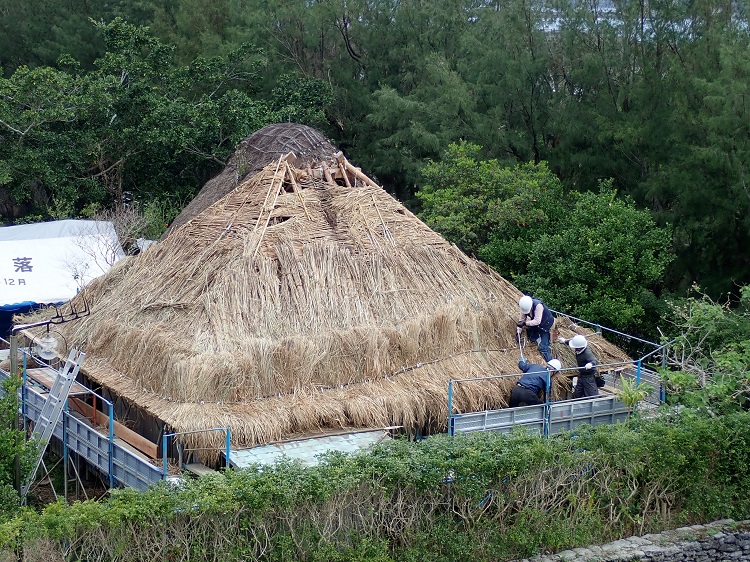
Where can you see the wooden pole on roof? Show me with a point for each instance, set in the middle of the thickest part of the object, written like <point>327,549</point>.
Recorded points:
<point>357,173</point>
<point>273,205</point>
<point>327,173</point>
<point>297,190</point>
<point>342,168</point>
<point>386,233</point>
<point>268,193</point>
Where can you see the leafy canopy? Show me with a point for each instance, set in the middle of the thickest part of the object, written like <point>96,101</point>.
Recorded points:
<point>138,122</point>
<point>593,255</point>
<point>469,200</point>
<point>13,445</point>
<point>601,262</point>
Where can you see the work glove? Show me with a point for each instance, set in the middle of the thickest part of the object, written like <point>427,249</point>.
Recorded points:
<point>588,365</point>
<point>560,339</point>
<point>521,323</point>
<point>519,330</point>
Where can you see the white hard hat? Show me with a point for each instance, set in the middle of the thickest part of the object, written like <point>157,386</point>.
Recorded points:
<point>578,342</point>
<point>525,304</point>
<point>554,364</point>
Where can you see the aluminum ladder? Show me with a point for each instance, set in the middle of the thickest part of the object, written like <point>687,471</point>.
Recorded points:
<point>52,410</point>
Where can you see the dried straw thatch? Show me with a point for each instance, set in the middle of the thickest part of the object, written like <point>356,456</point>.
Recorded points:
<point>252,155</point>
<point>305,299</point>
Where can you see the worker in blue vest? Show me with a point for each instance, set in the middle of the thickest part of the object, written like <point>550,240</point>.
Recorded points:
<point>533,383</point>
<point>538,321</point>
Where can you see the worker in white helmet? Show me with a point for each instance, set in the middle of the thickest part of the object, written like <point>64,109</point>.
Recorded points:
<point>533,383</point>
<point>587,366</point>
<point>538,321</point>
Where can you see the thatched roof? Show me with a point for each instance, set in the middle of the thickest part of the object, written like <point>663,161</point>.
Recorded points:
<point>304,299</point>
<point>261,148</point>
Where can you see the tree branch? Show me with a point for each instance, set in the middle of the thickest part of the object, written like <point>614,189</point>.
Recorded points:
<point>22,133</point>
<point>209,157</point>
<point>343,28</point>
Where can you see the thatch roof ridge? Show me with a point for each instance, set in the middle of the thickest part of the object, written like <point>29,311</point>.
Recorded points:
<point>251,155</point>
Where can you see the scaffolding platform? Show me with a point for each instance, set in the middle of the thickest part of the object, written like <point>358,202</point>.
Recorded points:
<point>117,460</point>
<point>44,377</point>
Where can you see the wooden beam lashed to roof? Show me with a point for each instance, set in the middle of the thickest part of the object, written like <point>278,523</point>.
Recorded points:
<point>386,233</point>
<point>327,174</point>
<point>282,168</point>
<point>296,188</point>
<point>342,168</point>
<point>357,173</point>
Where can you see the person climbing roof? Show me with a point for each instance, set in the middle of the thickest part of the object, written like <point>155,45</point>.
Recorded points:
<point>538,321</point>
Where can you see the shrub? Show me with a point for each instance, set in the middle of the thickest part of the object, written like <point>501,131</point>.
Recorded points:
<point>478,497</point>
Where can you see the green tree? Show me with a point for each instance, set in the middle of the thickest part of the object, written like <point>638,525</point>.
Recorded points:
<point>654,95</point>
<point>409,128</point>
<point>29,38</point>
<point>512,67</point>
<point>592,255</point>
<point>472,201</point>
<point>13,445</point>
<point>76,139</point>
<point>609,107</point>
<point>701,183</point>
<point>602,262</point>
<point>298,99</point>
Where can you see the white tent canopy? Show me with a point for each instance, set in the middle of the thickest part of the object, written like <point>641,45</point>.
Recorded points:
<point>48,263</point>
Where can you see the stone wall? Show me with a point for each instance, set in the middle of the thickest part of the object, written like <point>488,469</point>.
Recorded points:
<point>720,541</point>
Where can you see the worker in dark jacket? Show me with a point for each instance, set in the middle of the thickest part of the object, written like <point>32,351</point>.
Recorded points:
<point>587,366</point>
<point>534,381</point>
<point>538,321</point>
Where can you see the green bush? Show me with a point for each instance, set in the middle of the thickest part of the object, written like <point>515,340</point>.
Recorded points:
<point>593,255</point>
<point>709,359</point>
<point>479,497</point>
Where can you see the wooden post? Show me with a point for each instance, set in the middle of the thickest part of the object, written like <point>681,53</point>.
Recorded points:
<point>327,174</point>
<point>297,189</point>
<point>342,168</point>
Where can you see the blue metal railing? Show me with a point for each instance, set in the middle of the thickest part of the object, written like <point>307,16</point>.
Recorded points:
<point>126,468</point>
<point>101,451</point>
<point>550,416</point>
<point>598,328</point>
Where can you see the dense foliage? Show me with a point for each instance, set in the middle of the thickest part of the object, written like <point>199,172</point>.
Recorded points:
<point>593,255</point>
<point>473,201</point>
<point>482,497</point>
<point>603,261</point>
<point>16,453</point>
<point>710,354</point>
<point>75,140</point>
